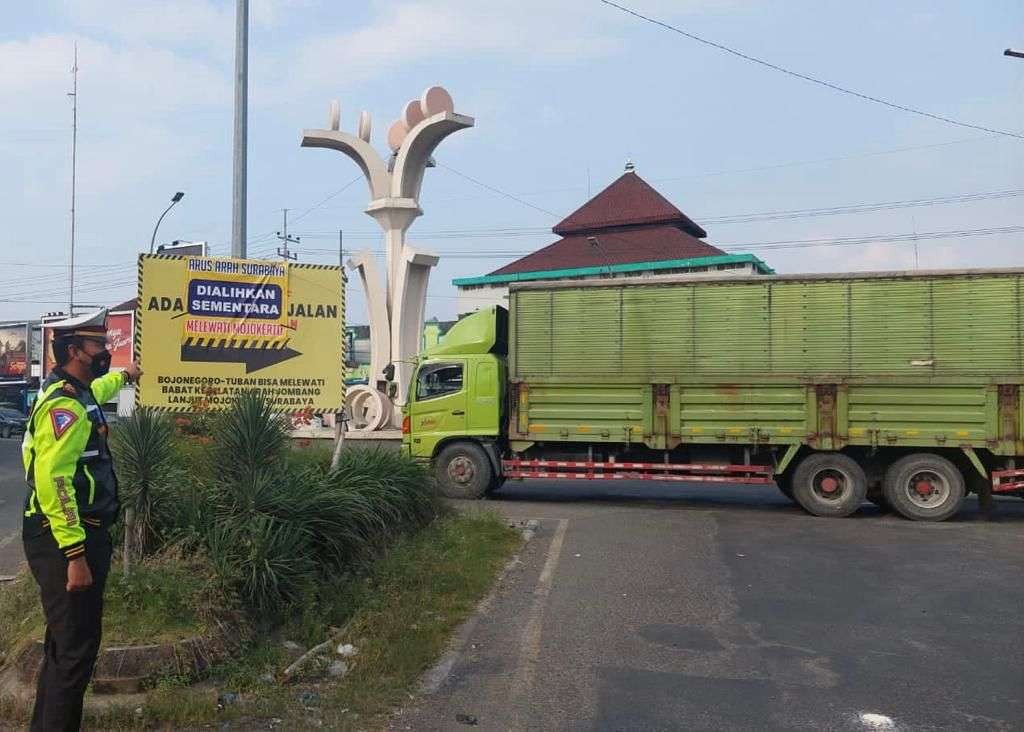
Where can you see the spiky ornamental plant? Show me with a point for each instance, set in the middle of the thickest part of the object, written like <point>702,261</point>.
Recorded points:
<point>275,522</point>
<point>250,439</point>
<point>259,537</point>
<point>148,470</point>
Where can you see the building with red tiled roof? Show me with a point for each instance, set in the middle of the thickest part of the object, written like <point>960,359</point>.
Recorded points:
<point>626,230</point>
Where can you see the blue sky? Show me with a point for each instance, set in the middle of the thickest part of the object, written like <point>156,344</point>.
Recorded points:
<point>562,92</point>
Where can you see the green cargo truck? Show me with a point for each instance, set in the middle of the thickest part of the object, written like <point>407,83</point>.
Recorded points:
<point>899,388</point>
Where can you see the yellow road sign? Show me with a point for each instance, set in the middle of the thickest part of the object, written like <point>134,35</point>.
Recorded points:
<point>209,328</point>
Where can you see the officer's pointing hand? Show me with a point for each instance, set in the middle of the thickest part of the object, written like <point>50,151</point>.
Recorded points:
<point>79,575</point>
<point>133,372</point>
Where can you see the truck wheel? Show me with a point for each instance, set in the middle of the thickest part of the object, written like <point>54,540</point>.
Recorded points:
<point>829,484</point>
<point>463,470</point>
<point>924,487</point>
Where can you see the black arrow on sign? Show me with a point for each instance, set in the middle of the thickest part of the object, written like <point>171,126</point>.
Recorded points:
<point>253,358</point>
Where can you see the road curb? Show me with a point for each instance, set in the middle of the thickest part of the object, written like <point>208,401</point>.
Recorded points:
<point>436,676</point>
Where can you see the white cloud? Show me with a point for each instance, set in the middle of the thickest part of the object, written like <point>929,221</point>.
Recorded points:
<point>447,30</point>
<point>187,22</point>
<point>137,137</point>
<point>113,80</point>
<point>177,23</point>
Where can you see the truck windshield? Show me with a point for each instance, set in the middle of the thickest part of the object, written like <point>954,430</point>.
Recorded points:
<point>438,379</point>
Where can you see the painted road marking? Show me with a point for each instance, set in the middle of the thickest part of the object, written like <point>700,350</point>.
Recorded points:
<point>529,652</point>
<point>873,721</point>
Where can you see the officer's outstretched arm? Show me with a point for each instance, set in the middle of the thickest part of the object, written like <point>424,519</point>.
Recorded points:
<point>61,432</point>
<point>106,387</point>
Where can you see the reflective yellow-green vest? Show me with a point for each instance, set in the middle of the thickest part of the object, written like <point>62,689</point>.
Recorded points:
<point>67,461</point>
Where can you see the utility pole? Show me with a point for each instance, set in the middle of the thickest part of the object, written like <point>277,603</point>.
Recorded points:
<point>238,197</point>
<point>282,251</point>
<point>74,176</point>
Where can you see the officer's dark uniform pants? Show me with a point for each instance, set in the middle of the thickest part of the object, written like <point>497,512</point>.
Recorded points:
<point>74,625</point>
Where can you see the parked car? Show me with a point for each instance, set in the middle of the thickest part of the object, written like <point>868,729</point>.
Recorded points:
<point>12,422</point>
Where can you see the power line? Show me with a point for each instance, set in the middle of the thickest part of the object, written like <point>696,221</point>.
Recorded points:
<point>734,171</point>
<point>337,193</point>
<point>267,237</point>
<point>892,238</point>
<point>513,232</point>
<point>805,77</point>
<point>872,239</point>
<point>60,266</point>
<point>760,245</point>
<point>500,192</point>
<point>863,207</point>
<point>780,215</point>
<point>262,238</point>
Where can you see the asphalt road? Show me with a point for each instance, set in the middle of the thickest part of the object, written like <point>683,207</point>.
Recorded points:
<point>725,608</point>
<point>646,607</point>
<point>12,498</point>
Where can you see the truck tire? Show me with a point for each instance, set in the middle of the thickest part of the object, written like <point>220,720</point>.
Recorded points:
<point>463,470</point>
<point>924,487</point>
<point>829,484</point>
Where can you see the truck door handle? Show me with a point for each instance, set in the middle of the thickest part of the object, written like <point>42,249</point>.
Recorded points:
<point>458,413</point>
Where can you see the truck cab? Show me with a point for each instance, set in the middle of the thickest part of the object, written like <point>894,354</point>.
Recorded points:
<point>455,411</point>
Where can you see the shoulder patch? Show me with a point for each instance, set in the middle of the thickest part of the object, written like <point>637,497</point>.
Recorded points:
<point>62,419</point>
<point>69,389</point>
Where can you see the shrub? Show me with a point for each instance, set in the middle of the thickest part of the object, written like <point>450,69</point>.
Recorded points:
<point>149,472</point>
<point>275,522</point>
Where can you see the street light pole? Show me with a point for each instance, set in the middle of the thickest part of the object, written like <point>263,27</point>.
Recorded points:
<point>238,198</point>
<point>1013,52</point>
<point>177,197</point>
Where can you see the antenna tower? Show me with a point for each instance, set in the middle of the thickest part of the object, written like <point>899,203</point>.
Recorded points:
<point>74,176</point>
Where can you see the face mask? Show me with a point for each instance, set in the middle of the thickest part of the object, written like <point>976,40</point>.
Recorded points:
<point>100,364</point>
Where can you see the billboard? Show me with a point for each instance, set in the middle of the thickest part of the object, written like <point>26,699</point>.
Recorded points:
<point>120,334</point>
<point>210,328</point>
<point>46,360</point>
<point>14,352</point>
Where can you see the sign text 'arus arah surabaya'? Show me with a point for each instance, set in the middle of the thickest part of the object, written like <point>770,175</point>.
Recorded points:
<point>210,328</point>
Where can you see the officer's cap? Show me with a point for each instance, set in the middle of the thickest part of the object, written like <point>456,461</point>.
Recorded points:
<point>90,325</point>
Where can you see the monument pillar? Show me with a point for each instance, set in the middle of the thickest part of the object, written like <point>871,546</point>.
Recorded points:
<point>396,304</point>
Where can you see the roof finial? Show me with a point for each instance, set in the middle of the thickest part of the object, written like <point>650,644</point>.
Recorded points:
<point>630,168</point>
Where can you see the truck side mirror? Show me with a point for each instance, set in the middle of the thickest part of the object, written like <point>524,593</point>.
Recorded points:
<point>389,372</point>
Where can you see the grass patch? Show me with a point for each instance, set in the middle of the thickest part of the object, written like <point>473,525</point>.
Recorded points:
<point>399,612</point>
<point>167,599</point>
<point>402,616</point>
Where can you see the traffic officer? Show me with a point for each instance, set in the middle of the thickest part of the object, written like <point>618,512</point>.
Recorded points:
<point>71,504</point>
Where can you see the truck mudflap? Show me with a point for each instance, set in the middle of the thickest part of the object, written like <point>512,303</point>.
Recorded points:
<point>682,472</point>
<point>1005,481</point>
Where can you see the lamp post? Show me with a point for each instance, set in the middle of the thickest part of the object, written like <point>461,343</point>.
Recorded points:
<point>177,197</point>
<point>1014,53</point>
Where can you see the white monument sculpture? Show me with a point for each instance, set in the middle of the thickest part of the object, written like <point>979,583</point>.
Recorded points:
<point>395,304</point>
